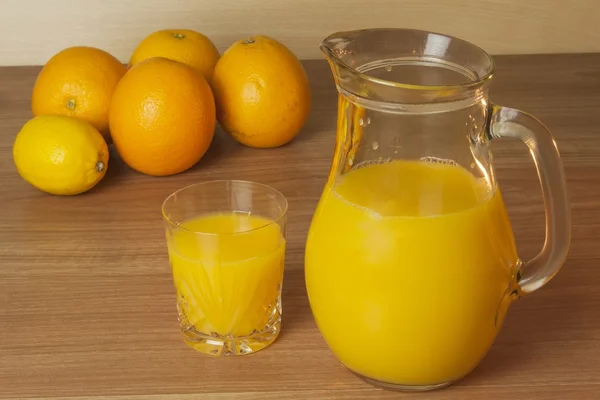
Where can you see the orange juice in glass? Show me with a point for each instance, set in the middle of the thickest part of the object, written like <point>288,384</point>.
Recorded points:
<point>410,259</point>
<point>226,244</point>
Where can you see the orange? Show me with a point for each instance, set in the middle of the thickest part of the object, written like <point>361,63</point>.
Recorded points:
<point>262,92</point>
<point>183,45</point>
<point>78,82</point>
<point>162,117</point>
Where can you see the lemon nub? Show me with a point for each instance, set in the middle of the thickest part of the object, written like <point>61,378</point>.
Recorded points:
<point>100,166</point>
<point>71,104</point>
<point>178,35</point>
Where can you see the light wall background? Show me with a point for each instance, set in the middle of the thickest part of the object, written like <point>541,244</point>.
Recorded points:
<point>32,30</point>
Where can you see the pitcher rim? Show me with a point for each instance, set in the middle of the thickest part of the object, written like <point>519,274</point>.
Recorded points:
<point>328,51</point>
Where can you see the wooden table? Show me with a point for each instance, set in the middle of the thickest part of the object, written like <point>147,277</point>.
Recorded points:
<point>87,308</point>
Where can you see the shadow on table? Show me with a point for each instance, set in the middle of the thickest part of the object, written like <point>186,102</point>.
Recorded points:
<point>296,309</point>
<point>536,323</point>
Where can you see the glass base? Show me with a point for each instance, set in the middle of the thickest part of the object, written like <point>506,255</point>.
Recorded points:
<point>214,345</point>
<point>404,388</point>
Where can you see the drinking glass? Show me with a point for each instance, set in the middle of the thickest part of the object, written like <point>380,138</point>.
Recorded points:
<point>226,242</point>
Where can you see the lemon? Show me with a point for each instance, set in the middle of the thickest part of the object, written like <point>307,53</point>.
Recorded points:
<point>60,155</point>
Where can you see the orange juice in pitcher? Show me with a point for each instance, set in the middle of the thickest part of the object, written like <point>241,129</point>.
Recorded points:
<point>410,261</point>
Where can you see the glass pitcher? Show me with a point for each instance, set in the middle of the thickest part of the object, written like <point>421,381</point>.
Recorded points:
<point>410,258</point>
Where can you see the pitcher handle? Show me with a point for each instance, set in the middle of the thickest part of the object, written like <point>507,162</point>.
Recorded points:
<point>508,122</point>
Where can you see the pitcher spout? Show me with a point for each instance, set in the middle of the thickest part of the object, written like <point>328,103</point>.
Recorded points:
<point>334,47</point>
<point>342,55</point>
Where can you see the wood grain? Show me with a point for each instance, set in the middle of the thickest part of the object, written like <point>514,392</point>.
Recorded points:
<point>87,306</point>
<point>31,31</point>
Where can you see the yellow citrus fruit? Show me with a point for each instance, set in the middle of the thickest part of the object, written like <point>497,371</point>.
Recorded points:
<point>162,117</point>
<point>78,82</point>
<point>60,155</point>
<point>262,92</point>
<point>183,45</point>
